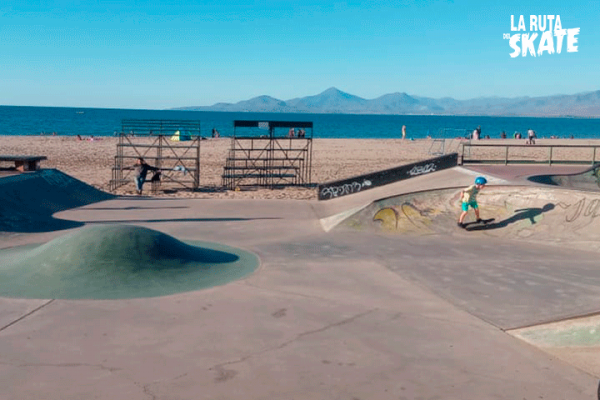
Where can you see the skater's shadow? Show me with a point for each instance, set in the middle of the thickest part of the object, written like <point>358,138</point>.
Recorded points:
<point>522,214</point>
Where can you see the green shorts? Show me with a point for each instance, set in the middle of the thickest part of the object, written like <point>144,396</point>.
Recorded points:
<point>473,204</point>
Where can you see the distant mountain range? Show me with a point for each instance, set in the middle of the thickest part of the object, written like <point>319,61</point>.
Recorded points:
<point>335,101</point>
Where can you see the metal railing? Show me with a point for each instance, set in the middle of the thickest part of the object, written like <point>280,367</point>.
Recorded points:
<point>485,153</point>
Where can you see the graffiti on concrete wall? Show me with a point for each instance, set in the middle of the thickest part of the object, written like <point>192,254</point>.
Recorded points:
<point>406,218</point>
<point>422,169</point>
<point>581,208</point>
<point>331,192</point>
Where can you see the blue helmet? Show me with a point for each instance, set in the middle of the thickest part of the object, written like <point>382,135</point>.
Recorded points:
<point>480,180</point>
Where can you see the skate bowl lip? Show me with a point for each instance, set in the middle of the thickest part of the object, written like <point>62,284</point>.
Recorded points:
<point>546,179</point>
<point>488,188</point>
<point>342,216</point>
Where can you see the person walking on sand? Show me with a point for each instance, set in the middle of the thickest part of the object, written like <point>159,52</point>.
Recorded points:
<point>403,132</point>
<point>468,197</point>
<point>141,170</point>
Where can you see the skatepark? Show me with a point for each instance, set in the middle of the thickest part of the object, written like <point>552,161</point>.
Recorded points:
<point>375,295</point>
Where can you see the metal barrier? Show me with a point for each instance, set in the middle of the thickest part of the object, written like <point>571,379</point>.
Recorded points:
<point>448,136</point>
<point>269,160</point>
<point>524,154</point>
<point>171,146</point>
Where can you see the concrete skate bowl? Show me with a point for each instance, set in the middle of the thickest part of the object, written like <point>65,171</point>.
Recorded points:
<point>586,180</point>
<point>29,201</point>
<point>116,262</point>
<point>542,215</point>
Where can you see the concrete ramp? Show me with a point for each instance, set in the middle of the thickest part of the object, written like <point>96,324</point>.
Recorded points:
<point>586,180</point>
<point>29,200</point>
<point>541,215</point>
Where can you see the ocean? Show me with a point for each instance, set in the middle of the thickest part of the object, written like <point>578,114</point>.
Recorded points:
<point>17,120</point>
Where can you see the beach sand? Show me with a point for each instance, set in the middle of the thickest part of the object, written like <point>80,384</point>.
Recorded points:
<point>333,159</point>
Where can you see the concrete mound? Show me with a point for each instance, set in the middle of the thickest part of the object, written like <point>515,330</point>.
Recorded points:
<point>542,215</point>
<point>29,200</point>
<point>118,261</point>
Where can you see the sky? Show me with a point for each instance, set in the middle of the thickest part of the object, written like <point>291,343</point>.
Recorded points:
<point>166,54</point>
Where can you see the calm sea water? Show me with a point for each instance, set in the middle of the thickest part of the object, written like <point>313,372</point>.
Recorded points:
<point>106,122</point>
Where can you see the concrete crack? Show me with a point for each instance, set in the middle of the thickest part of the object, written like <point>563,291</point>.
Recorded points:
<point>63,365</point>
<point>225,374</point>
<point>147,392</point>
<point>288,292</point>
<point>146,387</point>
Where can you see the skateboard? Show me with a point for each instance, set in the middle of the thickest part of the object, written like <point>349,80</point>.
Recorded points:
<point>474,224</point>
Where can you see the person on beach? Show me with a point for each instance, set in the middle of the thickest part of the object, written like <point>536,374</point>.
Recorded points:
<point>468,197</point>
<point>403,132</point>
<point>141,170</point>
<point>503,135</point>
<point>531,137</point>
<point>291,133</point>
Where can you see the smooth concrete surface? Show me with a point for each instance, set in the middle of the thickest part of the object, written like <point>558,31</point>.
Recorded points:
<point>577,340</point>
<point>327,315</point>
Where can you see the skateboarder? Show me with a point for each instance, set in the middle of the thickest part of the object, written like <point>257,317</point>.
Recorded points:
<point>469,199</point>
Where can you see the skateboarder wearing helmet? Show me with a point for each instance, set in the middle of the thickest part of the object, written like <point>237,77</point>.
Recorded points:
<point>469,199</point>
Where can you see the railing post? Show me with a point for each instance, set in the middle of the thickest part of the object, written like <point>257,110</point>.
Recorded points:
<point>550,157</point>
<point>197,177</point>
<point>506,156</point>
<point>594,156</point>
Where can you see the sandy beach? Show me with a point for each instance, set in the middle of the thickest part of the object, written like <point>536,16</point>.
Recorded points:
<point>333,159</point>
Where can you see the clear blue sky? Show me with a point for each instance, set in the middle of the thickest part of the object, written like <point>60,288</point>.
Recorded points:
<point>163,54</point>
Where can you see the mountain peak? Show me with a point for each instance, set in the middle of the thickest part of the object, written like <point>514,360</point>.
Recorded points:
<point>332,89</point>
<point>333,100</point>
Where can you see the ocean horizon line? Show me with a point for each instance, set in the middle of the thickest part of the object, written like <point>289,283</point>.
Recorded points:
<point>475,115</point>
<point>85,121</point>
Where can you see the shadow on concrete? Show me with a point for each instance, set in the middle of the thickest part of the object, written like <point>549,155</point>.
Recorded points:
<point>132,221</point>
<point>588,179</point>
<point>29,201</point>
<point>36,224</point>
<point>522,214</point>
<point>129,208</point>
